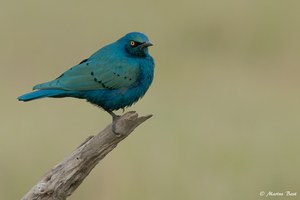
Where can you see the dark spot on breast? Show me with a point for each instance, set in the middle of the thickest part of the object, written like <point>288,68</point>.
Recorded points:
<point>118,74</point>
<point>92,73</point>
<point>95,80</point>
<point>130,79</point>
<point>125,77</point>
<point>99,81</point>
<point>103,85</point>
<point>83,61</point>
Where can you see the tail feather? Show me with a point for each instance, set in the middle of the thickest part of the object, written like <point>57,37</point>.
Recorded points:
<point>42,94</point>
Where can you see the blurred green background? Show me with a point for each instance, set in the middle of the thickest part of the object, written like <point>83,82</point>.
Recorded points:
<point>225,97</point>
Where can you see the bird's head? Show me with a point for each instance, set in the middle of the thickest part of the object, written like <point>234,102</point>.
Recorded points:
<point>136,44</point>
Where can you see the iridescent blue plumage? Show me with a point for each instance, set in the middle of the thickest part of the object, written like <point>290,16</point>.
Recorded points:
<point>114,77</point>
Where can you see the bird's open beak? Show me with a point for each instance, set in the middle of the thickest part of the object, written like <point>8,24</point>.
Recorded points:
<point>145,44</point>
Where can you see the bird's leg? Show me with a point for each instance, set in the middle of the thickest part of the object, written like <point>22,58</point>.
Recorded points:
<point>114,122</point>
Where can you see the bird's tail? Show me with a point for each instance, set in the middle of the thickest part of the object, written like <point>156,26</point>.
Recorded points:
<point>44,93</point>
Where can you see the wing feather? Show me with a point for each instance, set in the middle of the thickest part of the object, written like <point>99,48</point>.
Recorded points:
<point>96,74</point>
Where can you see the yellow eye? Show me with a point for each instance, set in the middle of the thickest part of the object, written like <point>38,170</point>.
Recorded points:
<point>132,43</point>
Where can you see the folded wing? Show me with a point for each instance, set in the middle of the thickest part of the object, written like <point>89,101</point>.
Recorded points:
<point>94,74</point>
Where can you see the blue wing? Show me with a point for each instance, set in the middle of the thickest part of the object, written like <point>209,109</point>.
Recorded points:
<point>97,72</point>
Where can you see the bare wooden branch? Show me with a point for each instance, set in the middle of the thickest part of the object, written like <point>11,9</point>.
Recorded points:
<point>62,180</point>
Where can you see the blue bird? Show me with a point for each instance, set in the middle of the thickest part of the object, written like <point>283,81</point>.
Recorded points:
<point>114,77</point>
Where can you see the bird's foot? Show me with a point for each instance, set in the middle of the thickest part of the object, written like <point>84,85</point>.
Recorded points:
<point>114,123</point>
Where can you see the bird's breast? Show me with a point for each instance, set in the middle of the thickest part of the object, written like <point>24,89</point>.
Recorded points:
<point>114,99</point>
